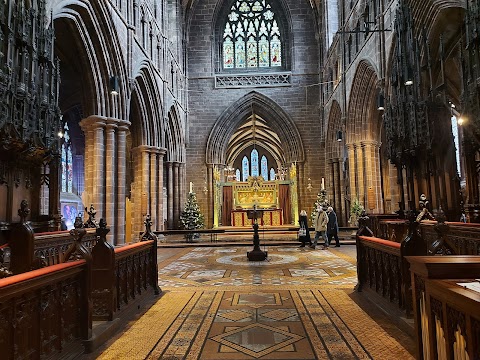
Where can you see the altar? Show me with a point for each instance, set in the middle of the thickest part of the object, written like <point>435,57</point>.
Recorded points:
<point>271,217</point>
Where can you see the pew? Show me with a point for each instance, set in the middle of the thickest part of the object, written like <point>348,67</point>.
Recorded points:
<point>440,305</point>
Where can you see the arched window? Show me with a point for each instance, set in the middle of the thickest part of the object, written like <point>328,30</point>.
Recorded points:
<point>264,167</point>
<point>245,169</point>
<point>456,141</point>
<point>237,175</point>
<point>272,174</point>
<point>67,159</point>
<point>254,157</point>
<point>251,37</point>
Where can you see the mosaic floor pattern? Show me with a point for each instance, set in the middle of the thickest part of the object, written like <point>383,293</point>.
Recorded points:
<point>217,305</point>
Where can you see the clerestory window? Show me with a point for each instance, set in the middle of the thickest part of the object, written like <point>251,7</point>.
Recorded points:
<point>252,38</point>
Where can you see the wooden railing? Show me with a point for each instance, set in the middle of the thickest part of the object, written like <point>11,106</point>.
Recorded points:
<point>453,307</point>
<point>45,312</point>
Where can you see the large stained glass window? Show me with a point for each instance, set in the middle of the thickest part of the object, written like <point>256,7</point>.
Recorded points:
<point>251,38</point>
<point>245,169</point>
<point>67,160</point>
<point>237,175</point>
<point>254,157</point>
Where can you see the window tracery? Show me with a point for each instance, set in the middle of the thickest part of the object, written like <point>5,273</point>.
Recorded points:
<point>251,36</point>
<point>67,162</point>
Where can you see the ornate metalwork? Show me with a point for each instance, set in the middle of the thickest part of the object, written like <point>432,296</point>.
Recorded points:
<point>253,80</point>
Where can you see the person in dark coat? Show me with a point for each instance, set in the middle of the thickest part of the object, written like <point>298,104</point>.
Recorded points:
<point>303,222</point>
<point>332,227</point>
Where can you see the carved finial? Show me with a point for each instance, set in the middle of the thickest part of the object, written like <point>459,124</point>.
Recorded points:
<point>78,224</point>
<point>24,210</point>
<point>102,231</point>
<point>102,224</point>
<point>441,218</point>
<point>91,222</point>
<point>148,234</point>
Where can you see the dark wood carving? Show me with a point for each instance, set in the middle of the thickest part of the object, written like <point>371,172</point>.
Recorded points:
<point>103,276</point>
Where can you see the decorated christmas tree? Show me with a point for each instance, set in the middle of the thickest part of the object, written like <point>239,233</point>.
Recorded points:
<point>322,201</point>
<point>191,217</point>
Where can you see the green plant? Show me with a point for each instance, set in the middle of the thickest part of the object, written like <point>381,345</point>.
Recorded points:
<point>191,217</point>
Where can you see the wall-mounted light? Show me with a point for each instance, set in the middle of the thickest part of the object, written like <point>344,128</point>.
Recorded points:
<point>460,121</point>
<point>339,135</point>
<point>409,79</point>
<point>114,87</point>
<point>380,101</point>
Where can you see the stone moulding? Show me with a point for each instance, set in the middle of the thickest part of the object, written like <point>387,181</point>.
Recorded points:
<point>253,80</point>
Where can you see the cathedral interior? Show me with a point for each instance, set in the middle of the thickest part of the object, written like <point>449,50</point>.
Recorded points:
<point>127,127</point>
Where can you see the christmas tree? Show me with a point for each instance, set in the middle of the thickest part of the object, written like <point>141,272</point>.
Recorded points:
<point>322,201</point>
<point>191,217</point>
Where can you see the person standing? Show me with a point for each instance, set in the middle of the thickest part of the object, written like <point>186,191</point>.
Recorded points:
<point>303,222</point>
<point>320,223</point>
<point>332,226</point>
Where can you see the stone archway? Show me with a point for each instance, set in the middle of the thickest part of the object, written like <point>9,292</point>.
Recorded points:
<point>232,118</point>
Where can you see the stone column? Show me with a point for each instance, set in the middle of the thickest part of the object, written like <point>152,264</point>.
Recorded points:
<point>377,178</point>
<point>338,188</point>
<point>153,188</point>
<point>160,155</point>
<point>182,180</point>
<point>176,195</point>
<point>341,183</point>
<point>303,186</point>
<point>210,196</point>
<point>360,171</point>
<point>352,171</point>
<point>111,181</point>
<point>121,181</point>
<point>170,195</point>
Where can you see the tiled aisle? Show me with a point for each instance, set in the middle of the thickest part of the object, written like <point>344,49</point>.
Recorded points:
<point>297,305</point>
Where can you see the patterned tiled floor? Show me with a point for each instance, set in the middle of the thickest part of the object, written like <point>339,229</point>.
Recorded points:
<point>298,305</point>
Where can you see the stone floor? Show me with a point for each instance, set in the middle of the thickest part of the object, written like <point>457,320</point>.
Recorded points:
<point>299,304</point>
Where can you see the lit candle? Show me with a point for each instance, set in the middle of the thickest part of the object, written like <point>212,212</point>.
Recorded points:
<point>191,187</point>
<point>323,183</point>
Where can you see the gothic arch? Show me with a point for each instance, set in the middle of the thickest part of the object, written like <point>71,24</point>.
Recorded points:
<point>278,120</point>
<point>147,96</point>
<point>174,137</point>
<point>363,121</point>
<point>334,147</point>
<point>101,57</point>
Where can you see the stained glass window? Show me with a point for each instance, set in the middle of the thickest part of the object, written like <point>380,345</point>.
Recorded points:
<point>67,162</point>
<point>237,175</point>
<point>254,156</point>
<point>251,37</point>
<point>272,174</point>
<point>264,165</point>
<point>245,169</point>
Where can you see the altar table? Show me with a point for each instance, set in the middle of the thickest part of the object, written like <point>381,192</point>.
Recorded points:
<point>271,217</point>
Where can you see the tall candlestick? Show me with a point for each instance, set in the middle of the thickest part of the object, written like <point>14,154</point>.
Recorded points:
<point>191,187</point>
<point>323,183</point>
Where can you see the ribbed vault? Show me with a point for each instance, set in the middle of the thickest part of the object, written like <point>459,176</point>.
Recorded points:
<point>236,116</point>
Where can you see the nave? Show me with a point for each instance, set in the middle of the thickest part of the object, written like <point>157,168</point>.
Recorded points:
<point>300,304</point>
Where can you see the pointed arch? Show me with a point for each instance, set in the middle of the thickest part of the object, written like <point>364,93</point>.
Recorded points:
<point>174,137</point>
<point>334,148</point>
<point>278,120</point>
<point>363,121</point>
<point>147,95</point>
<point>90,24</point>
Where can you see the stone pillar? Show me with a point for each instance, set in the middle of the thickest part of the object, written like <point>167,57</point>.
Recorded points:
<point>121,181</point>
<point>182,181</point>
<point>210,196</point>
<point>93,127</point>
<point>111,181</point>
<point>99,169</point>
<point>153,188</point>
<point>360,171</point>
<point>170,195</point>
<point>338,189</point>
<point>303,186</point>
<point>342,218</point>
<point>176,195</point>
<point>352,171</point>
<point>160,155</point>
